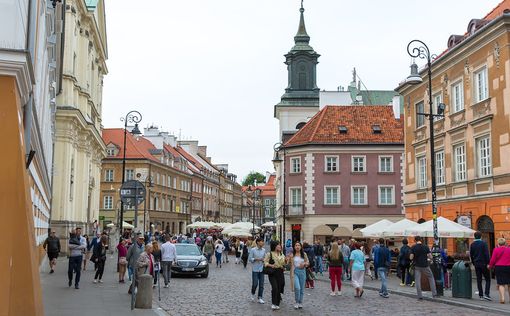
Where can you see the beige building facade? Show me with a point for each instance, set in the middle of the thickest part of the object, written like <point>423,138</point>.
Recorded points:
<point>79,147</point>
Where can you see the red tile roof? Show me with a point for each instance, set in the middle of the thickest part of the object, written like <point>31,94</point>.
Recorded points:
<point>323,128</point>
<point>189,157</point>
<point>136,147</point>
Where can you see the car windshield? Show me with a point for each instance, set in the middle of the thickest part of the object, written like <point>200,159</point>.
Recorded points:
<point>187,250</point>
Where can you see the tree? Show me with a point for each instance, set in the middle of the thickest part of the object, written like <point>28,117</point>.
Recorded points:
<point>252,177</point>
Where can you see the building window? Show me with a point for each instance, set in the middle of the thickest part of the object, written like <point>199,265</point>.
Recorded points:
<point>457,95</point>
<point>331,163</point>
<point>481,86</point>
<point>421,163</point>
<point>420,118</point>
<point>295,196</point>
<point>110,152</point>
<point>331,195</point>
<point>295,165</point>
<point>459,160</point>
<point>483,153</point>
<point>358,164</point>
<point>437,99</point>
<point>108,175</point>
<point>108,202</point>
<point>387,195</point>
<point>359,195</point>
<point>130,174</point>
<point>385,164</point>
<point>440,178</point>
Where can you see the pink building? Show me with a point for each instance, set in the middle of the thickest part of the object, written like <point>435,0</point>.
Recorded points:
<point>342,172</point>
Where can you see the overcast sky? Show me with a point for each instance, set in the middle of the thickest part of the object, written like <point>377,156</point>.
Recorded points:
<point>214,70</point>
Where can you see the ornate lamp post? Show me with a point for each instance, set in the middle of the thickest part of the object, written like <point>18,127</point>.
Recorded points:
<point>131,117</point>
<point>277,161</point>
<point>418,49</point>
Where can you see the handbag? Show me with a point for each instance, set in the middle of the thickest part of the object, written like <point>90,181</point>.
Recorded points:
<point>123,261</point>
<point>269,270</point>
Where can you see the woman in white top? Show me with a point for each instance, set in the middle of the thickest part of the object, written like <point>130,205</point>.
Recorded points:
<point>218,250</point>
<point>299,262</point>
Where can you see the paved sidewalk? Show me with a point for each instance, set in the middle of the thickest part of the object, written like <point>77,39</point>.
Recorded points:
<point>474,303</point>
<point>109,298</point>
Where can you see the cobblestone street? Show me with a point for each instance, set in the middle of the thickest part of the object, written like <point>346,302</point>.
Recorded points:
<point>227,292</point>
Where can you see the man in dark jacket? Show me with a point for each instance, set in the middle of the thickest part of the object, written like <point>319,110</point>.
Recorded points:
<point>404,263</point>
<point>382,257</point>
<point>479,254</point>
<point>318,249</point>
<point>52,247</point>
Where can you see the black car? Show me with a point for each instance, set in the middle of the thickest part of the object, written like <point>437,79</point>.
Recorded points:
<point>190,261</point>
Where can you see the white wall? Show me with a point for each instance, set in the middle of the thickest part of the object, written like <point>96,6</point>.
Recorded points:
<point>334,98</point>
<point>13,23</point>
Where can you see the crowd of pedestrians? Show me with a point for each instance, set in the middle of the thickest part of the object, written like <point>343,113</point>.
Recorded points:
<point>344,260</point>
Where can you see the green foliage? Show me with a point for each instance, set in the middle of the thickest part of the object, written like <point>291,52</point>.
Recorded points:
<point>252,176</point>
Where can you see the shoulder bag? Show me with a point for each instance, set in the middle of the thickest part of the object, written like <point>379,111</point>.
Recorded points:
<point>269,270</point>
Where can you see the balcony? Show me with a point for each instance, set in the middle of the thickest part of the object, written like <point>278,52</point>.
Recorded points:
<point>294,211</point>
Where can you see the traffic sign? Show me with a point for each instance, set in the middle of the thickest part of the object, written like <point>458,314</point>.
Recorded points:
<point>132,192</point>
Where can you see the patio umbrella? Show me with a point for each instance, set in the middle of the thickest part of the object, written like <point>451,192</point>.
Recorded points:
<point>397,229</point>
<point>127,225</point>
<point>445,228</point>
<point>375,230</point>
<point>268,224</point>
<point>110,225</point>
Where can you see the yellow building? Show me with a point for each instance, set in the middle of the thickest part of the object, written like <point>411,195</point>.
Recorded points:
<point>79,147</point>
<point>472,140</point>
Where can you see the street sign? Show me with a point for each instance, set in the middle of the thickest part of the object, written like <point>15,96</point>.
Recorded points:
<point>132,192</point>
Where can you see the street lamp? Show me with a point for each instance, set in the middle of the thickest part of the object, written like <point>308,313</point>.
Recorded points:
<point>277,161</point>
<point>131,117</point>
<point>418,49</point>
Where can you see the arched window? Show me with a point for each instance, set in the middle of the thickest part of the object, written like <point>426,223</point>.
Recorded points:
<point>300,125</point>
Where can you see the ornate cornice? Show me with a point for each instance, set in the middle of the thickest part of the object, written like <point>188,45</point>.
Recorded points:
<point>16,63</point>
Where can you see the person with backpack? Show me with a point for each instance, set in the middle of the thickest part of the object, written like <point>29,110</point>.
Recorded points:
<point>404,262</point>
<point>382,257</point>
<point>318,249</point>
<point>226,243</point>
<point>244,253</point>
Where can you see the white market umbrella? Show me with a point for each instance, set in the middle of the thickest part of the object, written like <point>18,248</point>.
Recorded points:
<point>110,225</point>
<point>127,225</point>
<point>201,225</point>
<point>445,228</point>
<point>376,229</point>
<point>240,234</point>
<point>397,229</point>
<point>244,225</point>
<point>229,230</point>
<point>268,224</point>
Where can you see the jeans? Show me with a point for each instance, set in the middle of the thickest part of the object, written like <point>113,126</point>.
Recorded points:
<point>167,274</point>
<point>225,256</point>
<point>299,284</point>
<point>382,275</point>
<point>417,279</point>
<point>257,279</point>
<point>483,271</point>
<point>74,266</point>
<point>277,281</point>
<point>218,258</point>
<point>345,272</point>
<point>318,264</point>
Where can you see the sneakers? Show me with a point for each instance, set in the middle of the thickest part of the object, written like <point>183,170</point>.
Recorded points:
<point>402,284</point>
<point>261,301</point>
<point>300,305</point>
<point>296,306</point>
<point>253,298</point>
<point>100,281</point>
<point>51,271</point>
<point>486,297</point>
<point>332,294</point>
<point>275,307</point>
<point>412,284</point>
<point>385,295</point>
<point>339,293</point>
<point>166,286</point>
<point>95,281</point>
<point>76,286</point>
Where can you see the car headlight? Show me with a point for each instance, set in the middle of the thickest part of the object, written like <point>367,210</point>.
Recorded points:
<point>203,263</point>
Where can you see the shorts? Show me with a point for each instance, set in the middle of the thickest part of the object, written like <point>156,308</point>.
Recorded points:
<point>52,255</point>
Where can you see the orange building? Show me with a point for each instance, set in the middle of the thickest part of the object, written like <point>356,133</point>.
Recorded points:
<point>472,141</point>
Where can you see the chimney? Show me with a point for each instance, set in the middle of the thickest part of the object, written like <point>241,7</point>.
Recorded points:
<point>202,150</point>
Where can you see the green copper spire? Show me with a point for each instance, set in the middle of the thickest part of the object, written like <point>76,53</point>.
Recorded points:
<point>302,36</point>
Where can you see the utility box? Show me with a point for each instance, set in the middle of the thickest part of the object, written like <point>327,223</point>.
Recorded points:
<point>462,280</point>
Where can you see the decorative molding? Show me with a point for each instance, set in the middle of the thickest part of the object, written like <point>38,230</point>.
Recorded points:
<point>438,126</point>
<point>497,54</point>
<point>16,63</point>
<point>457,119</point>
<point>481,108</point>
<point>467,71</point>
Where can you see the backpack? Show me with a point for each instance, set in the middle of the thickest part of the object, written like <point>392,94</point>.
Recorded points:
<point>405,253</point>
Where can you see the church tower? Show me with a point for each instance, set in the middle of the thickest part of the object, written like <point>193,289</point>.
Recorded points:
<point>301,98</point>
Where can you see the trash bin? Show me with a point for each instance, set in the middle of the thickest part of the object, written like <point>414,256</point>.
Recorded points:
<point>461,280</point>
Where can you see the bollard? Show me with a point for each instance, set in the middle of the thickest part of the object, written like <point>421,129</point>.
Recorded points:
<point>144,292</point>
